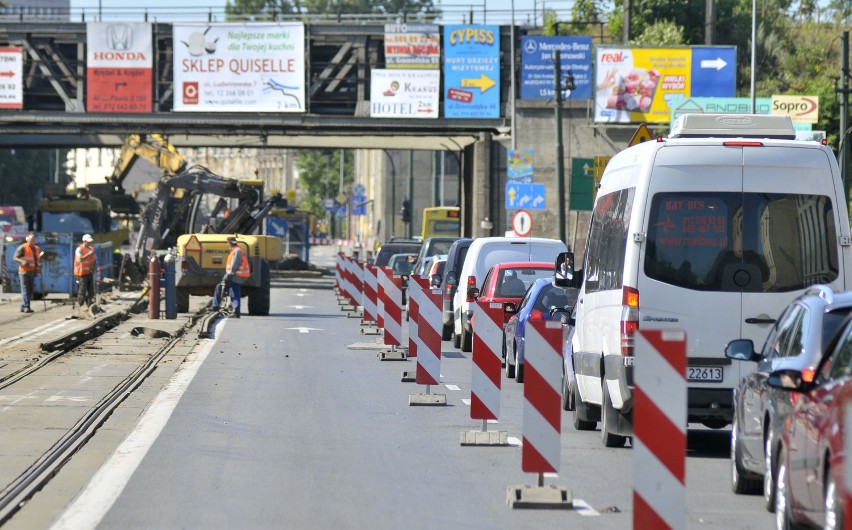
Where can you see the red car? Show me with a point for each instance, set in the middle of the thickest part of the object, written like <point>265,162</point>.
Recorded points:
<point>508,282</point>
<point>809,489</point>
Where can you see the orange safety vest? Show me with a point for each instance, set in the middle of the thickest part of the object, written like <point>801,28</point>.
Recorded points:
<point>86,265</point>
<point>30,253</point>
<point>244,271</point>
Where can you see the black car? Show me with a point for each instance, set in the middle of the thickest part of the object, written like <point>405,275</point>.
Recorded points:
<point>450,282</point>
<point>396,247</point>
<point>796,342</point>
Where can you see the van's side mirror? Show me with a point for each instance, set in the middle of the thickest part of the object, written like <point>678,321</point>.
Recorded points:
<point>436,280</point>
<point>473,292</point>
<point>452,279</point>
<point>741,350</point>
<point>510,308</point>
<point>563,270</point>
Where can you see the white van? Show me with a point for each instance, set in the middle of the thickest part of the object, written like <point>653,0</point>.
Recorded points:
<point>713,231</point>
<point>484,253</point>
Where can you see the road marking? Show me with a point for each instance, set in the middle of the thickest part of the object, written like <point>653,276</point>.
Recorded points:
<point>466,402</point>
<point>89,508</point>
<point>303,330</point>
<point>74,399</point>
<point>515,441</point>
<point>583,508</point>
<point>301,306</point>
<point>454,387</point>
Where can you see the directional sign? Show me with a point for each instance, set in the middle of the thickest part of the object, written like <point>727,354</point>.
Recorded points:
<point>11,86</point>
<point>276,226</point>
<point>529,196</point>
<point>522,223</point>
<point>359,204</point>
<point>359,189</point>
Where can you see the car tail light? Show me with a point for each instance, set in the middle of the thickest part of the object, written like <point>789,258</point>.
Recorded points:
<point>471,282</point>
<point>808,375</point>
<point>629,319</point>
<point>184,265</point>
<point>536,315</point>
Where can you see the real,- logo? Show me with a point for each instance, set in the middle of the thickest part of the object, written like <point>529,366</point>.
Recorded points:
<point>190,92</point>
<point>612,57</point>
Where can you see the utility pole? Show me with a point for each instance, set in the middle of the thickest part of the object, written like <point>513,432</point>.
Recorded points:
<point>409,231</point>
<point>560,169</point>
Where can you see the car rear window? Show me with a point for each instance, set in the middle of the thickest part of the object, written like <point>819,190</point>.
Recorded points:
<point>831,323</point>
<point>752,242</point>
<point>551,296</point>
<point>515,282</point>
<point>390,249</point>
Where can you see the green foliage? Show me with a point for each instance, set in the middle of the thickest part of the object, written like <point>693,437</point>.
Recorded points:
<point>266,9</point>
<point>662,33</point>
<point>319,177</point>
<point>24,172</point>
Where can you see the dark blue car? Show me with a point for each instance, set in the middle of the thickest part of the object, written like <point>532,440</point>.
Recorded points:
<point>543,301</point>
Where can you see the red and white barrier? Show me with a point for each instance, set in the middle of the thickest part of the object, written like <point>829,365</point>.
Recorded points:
<point>429,312</point>
<point>320,241</point>
<point>371,286</point>
<point>393,308</point>
<point>415,291</point>
<point>486,376</point>
<point>381,312</point>
<point>353,273</point>
<point>542,390</point>
<point>659,430</point>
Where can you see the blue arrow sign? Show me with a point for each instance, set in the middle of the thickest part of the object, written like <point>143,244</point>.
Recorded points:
<point>526,196</point>
<point>275,226</point>
<point>359,205</point>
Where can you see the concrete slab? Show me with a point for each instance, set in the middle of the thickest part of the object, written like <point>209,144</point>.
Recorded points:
<point>366,346</point>
<point>409,376</point>
<point>349,307</point>
<point>492,438</point>
<point>434,400</point>
<point>393,355</point>
<point>371,330</point>
<point>540,497</point>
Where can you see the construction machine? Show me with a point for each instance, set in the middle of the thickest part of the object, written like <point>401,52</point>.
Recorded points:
<point>195,212</point>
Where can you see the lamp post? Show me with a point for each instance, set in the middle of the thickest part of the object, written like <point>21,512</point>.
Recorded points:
<point>393,193</point>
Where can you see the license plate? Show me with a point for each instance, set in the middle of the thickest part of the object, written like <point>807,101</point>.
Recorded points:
<point>706,374</point>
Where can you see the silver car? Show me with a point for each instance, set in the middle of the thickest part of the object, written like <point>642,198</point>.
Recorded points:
<point>796,341</point>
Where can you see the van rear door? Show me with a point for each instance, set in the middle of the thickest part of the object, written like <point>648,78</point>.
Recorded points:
<point>685,277</point>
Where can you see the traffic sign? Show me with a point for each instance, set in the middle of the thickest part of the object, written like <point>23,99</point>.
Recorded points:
<point>522,223</point>
<point>642,134</point>
<point>359,189</point>
<point>529,196</point>
<point>328,204</point>
<point>359,204</point>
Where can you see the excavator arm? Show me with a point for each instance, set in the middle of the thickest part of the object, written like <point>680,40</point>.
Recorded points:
<point>153,148</point>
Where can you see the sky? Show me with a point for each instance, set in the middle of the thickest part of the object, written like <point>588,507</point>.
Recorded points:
<point>456,11</point>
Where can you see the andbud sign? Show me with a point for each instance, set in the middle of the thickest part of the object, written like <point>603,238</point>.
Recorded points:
<point>239,67</point>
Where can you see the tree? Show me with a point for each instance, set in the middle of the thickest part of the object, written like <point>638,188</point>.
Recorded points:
<point>264,9</point>
<point>319,177</point>
<point>25,172</point>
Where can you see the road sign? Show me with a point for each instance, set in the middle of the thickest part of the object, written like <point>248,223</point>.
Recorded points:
<point>359,189</point>
<point>341,212</point>
<point>522,223</point>
<point>328,204</point>
<point>529,196</point>
<point>519,165</point>
<point>642,134</point>
<point>359,205</point>
<point>276,226</point>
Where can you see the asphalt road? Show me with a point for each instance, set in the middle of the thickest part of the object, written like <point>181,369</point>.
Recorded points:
<point>285,425</point>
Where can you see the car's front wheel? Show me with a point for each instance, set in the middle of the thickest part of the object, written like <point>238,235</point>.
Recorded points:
<point>741,483</point>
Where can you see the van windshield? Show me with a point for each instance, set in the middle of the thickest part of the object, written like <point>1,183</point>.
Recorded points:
<point>752,242</point>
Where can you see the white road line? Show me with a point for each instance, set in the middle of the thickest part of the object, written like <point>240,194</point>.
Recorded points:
<point>466,402</point>
<point>452,387</point>
<point>515,441</point>
<point>493,421</point>
<point>583,508</point>
<point>89,507</point>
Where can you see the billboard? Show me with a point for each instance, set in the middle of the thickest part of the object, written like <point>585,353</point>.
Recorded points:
<point>636,85</point>
<point>11,81</point>
<point>404,93</point>
<point>537,66</point>
<point>239,67</point>
<point>119,62</point>
<point>412,46</point>
<point>472,71</point>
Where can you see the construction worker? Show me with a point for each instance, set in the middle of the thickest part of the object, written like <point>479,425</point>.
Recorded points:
<point>236,271</point>
<point>28,257</point>
<point>85,264</point>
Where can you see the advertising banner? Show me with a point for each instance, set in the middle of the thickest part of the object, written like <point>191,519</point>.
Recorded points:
<point>681,106</point>
<point>119,62</point>
<point>404,93</point>
<point>412,46</point>
<point>799,108</point>
<point>519,166</point>
<point>537,66</point>
<point>239,67</point>
<point>636,85</point>
<point>472,71</point>
<point>11,82</point>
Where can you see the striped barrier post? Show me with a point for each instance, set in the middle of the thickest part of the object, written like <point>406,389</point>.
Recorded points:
<point>429,313</point>
<point>380,297</point>
<point>338,272</point>
<point>415,292</point>
<point>393,316</point>
<point>659,430</point>
<point>371,308</point>
<point>486,375</point>
<point>542,422</point>
<point>356,280</point>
